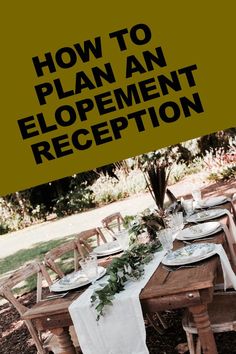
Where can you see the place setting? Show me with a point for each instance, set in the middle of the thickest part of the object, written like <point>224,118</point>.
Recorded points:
<point>89,273</point>
<point>210,202</point>
<point>199,231</point>
<point>205,215</point>
<point>113,247</point>
<point>190,255</point>
<point>107,249</point>
<point>185,255</point>
<point>198,209</point>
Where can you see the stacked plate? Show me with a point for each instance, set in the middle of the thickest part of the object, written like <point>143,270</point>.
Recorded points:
<point>213,201</point>
<point>74,280</point>
<point>206,215</point>
<point>189,254</point>
<point>199,231</point>
<point>107,249</point>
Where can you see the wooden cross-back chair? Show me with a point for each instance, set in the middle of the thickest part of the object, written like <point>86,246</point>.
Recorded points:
<point>57,252</point>
<point>113,223</point>
<point>85,238</point>
<point>6,291</point>
<point>222,317</point>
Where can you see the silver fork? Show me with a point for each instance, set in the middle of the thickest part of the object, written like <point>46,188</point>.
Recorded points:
<point>197,240</point>
<point>173,269</point>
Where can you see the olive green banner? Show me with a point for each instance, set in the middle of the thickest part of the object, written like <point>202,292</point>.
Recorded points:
<point>85,84</point>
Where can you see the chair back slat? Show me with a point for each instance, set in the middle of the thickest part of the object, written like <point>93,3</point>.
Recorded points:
<point>109,221</point>
<point>84,238</point>
<point>22,274</point>
<point>58,252</point>
<point>6,291</point>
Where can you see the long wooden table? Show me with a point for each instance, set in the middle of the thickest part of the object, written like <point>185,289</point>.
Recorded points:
<point>186,287</point>
<point>190,288</point>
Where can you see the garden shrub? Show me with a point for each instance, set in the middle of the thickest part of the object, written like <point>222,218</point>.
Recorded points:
<point>223,174</point>
<point>221,164</point>
<point>79,198</point>
<point>107,189</point>
<point>4,229</point>
<point>180,170</point>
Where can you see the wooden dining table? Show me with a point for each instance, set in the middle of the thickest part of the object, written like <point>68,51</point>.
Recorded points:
<point>190,288</point>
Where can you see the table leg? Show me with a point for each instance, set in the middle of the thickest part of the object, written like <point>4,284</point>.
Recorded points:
<point>203,325</point>
<point>64,340</point>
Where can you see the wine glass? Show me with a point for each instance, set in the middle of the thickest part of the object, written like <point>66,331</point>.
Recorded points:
<point>89,266</point>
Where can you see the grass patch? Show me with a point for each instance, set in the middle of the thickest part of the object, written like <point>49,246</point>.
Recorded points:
<point>37,252</point>
<point>34,253</point>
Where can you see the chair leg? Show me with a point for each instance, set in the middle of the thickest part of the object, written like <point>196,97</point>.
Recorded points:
<point>35,338</point>
<point>154,324</point>
<point>198,346</point>
<point>163,323</point>
<point>191,345</point>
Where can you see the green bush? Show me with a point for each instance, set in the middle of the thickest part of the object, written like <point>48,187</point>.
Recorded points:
<point>79,198</point>
<point>220,164</point>
<point>16,214</point>
<point>4,229</point>
<point>223,174</point>
<point>180,170</point>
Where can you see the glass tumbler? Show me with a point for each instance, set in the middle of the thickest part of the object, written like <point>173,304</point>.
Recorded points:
<point>166,238</point>
<point>89,266</point>
<point>188,207</point>
<point>123,239</point>
<point>197,196</point>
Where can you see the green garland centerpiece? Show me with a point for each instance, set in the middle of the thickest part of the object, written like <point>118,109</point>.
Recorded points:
<point>130,266</point>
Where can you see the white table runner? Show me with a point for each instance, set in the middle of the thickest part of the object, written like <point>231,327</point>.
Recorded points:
<point>121,330</point>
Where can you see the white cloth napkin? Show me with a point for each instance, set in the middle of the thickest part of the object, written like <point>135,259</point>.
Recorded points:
<point>121,330</point>
<point>233,207</point>
<point>229,275</point>
<point>232,227</point>
<point>230,241</point>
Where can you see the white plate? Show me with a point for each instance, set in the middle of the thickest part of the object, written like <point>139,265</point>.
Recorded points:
<point>74,280</point>
<point>199,230</point>
<point>213,201</point>
<point>189,254</point>
<point>206,215</point>
<point>107,249</point>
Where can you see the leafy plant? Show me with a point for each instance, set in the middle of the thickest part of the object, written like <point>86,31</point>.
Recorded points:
<point>223,174</point>
<point>147,221</point>
<point>79,198</point>
<point>129,266</point>
<point>4,229</point>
